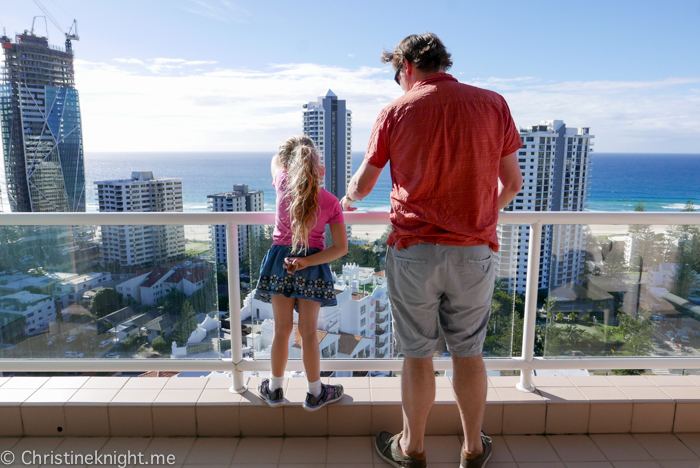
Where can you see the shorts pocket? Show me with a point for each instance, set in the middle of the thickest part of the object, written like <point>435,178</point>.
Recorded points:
<point>417,261</point>
<point>407,263</point>
<point>479,260</point>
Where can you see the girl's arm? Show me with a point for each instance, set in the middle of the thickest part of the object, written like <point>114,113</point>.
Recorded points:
<point>339,235</point>
<point>275,166</point>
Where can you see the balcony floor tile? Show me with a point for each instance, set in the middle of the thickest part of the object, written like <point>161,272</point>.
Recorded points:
<point>567,451</point>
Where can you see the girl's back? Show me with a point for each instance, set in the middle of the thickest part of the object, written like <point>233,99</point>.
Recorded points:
<point>329,212</point>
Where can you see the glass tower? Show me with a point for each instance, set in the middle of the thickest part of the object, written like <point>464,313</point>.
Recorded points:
<point>41,127</point>
<point>329,124</point>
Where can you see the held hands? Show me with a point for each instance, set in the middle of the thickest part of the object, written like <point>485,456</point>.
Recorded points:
<point>293,264</point>
<point>347,204</point>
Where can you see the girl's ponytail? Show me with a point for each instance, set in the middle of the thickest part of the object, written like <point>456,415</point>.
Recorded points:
<point>299,156</point>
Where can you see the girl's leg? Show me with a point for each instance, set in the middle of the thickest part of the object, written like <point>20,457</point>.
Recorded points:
<point>308,323</point>
<point>283,310</point>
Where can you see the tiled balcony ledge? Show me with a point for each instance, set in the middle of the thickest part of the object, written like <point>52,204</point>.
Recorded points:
<point>181,406</point>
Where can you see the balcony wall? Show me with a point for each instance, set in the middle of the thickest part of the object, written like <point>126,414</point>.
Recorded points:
<point>182,406</point>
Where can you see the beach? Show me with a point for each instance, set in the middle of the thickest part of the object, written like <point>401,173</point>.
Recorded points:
<point>363,232</point>
<point>371,232</point>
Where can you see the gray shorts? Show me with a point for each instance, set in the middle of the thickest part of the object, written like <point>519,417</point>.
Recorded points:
<point>431,284</point>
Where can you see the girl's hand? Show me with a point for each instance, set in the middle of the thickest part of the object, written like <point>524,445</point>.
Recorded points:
<point>293,264</point>
<point>347,204</point>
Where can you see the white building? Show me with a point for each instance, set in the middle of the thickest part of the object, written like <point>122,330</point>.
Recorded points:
<point>38,309</point>
<point>331,345</point>
<point>149,288</point>
<point>329,124</point>
<point>71,290</point>
<point>239,199</point>
<point>136,245</point>
<point>357,314</point>
<point>555,163</point>
<point>17,282</point>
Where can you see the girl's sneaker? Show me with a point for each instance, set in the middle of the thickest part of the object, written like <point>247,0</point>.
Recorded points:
<point>329,394</point>
<point>272,398</point>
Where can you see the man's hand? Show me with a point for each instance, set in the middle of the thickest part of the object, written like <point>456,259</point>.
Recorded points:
<point>347,204</point>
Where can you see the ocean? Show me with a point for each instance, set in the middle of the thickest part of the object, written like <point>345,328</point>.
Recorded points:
<point>618,181</point>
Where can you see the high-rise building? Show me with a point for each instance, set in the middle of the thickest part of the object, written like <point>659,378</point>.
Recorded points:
<point>239,199</point>
<point>329,124</point>
<point>554,161</point>
<point>41,127</point>
<point>137,245</point>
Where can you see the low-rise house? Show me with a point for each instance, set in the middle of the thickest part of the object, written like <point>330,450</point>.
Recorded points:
<point>160,326</point>
<point>151,287</point>
<point>131,288</point>
<point>71,290</point>
<point>38,309</point>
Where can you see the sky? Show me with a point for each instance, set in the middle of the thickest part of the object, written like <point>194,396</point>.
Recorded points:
<point>225,75</point>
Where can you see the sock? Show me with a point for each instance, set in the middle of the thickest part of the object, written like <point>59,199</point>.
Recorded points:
<point>276,382</point>
<point>315,388</point>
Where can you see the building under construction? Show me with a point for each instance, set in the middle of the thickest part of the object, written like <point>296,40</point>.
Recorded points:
<point>41,126</point>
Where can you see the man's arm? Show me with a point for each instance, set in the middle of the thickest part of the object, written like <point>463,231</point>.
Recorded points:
<point>511,180</point>
<point>361,184</point>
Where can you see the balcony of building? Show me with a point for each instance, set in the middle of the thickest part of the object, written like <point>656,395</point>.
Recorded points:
<point>536,420</point>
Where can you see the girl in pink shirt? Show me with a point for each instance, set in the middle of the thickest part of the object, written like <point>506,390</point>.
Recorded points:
<point>295,271</point>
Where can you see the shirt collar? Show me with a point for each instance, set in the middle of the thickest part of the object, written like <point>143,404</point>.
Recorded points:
<point>434,78</point>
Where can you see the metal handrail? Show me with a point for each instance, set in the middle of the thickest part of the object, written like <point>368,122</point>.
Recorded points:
<point>526,363</point>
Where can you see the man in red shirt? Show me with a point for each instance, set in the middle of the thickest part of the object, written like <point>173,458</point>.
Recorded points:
<point>452,150</point>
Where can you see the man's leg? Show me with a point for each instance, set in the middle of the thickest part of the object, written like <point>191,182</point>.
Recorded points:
<point>418,396</point>
<point>469,382</point>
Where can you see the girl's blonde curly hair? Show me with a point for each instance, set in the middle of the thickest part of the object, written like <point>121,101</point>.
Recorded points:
<point>300,158</point>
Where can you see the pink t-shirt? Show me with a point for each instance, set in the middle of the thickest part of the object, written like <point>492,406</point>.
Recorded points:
<point>330,212</point>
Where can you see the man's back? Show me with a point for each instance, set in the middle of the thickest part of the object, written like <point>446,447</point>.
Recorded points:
<point>444,140</point>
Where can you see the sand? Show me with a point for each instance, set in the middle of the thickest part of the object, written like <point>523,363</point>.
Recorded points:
<point>620,229</point>
<point>371,232</point>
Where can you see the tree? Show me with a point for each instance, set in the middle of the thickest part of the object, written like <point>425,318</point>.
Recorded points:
<point>186,325</point>
<point>636,333</point>
<point>504,334</point>
<point>173,301</point>
<point>222,277</point>
<point>573,316</point>
<point>259,244</point>
<point>360,254</point>
<point>203,299</point>
<point>160,345</point>
<point>105,302</point>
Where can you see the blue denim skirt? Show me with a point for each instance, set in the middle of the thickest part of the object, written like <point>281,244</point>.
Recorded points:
<point>314,283</point>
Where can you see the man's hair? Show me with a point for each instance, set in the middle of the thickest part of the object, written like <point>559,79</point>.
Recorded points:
<point>425,51</point>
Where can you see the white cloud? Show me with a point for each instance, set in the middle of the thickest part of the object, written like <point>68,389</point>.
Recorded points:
<point>129,60</point>
<point>171,104</point>
<point>220,109</point>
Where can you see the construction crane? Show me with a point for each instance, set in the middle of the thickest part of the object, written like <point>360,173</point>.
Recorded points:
<point>70,35</point>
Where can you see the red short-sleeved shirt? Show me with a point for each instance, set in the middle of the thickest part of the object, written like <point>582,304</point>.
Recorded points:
<point>445,140</point>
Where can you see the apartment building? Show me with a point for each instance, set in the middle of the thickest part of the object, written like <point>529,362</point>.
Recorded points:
<point>138,245</point>
<point>241,198</point>
<point>555,163</point>
<point>328,123</point>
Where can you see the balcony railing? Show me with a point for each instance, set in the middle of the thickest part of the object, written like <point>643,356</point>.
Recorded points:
<point>526,362</point>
